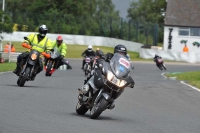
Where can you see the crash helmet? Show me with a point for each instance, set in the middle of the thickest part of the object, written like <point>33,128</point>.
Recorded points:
<point>59,40</point>
<point>43,30</point>
<point>120,49</point>
<point>90,48</point>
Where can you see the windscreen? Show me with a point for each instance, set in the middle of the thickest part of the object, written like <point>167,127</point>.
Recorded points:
<point>120,65</point>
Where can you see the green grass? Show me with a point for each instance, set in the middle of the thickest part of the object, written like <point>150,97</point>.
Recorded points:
<point>7,67</point>
<point>192,78</point>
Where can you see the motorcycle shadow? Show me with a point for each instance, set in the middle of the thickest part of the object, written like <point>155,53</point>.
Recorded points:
<point>24,85</point>
<point>87,115</point>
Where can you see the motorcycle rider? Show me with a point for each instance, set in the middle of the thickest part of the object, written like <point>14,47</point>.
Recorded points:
<point>156,57</point>
<point>40,43</point>
<point>62,48</point>
<point>121,49</point>
<point>88,52</point>
<point>99,52</point>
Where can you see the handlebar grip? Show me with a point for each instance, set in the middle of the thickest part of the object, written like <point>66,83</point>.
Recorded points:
<point>26,45</point>
<point>47,55</point>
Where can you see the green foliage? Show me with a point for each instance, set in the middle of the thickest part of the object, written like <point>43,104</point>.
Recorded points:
<point>86,17</point>
<point>5,23</point>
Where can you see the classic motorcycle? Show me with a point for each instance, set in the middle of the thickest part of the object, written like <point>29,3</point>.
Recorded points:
<point>88,65</point>
<point>160,64</point>
<point>30,64</point>
<point>52,62</point>
<point>106,85</point>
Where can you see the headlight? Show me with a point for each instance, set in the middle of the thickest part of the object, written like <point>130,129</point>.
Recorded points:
<point>111,77</point>
<point>33,56</point>
<point>122,83</point>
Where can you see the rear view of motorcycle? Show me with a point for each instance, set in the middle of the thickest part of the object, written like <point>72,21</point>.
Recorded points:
<point>29,65</point>
<point>105,86</point>
<point>160,64</point>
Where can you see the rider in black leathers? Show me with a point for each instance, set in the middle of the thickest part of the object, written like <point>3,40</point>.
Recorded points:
<point>156,57</point>
<point>88,52</point>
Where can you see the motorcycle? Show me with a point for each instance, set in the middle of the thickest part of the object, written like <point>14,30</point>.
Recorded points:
<point>52,62</point>
<point>88,65</point>
<point>106,85</point>
<point>160,64</point>
<point>29,65</point>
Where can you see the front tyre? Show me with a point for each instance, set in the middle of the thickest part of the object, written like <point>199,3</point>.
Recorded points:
<point>49,66</point>
<point>98,108</point>
<point>24,77</point>
<point>81,109</point>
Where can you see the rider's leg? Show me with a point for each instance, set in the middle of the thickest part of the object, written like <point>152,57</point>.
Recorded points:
<point>83,63</point>
<point>19,59</point>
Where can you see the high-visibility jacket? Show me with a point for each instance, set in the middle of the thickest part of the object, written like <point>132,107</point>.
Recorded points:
<point>13,49</point>
<point>62,48</point>
<point>42,46</point>
<point>6,48</point>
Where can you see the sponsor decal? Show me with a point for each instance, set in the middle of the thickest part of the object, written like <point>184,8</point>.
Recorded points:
<point>124,62</point>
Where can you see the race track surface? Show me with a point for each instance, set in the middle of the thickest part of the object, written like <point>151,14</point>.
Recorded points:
<point>47,105</point>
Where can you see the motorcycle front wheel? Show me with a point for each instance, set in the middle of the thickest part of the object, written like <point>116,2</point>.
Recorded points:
<point>81,109</point>
<point>21,81</point>
<point>98,108</point>
<point>49,66</point>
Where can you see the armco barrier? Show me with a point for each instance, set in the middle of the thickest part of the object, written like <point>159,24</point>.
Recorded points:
<point>10,57</point>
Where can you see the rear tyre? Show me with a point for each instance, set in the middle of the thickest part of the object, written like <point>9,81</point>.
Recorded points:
<point>24,77</point>
<point>81,109</point>
<point>164,67</point>
<point>98,108</point>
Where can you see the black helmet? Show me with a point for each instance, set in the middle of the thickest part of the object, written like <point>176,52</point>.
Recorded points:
<point>120,49</point>
<point>43,30</point>
<point>99,53</point>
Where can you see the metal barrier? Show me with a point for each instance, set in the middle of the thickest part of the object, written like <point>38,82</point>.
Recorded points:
<point>9,56</point>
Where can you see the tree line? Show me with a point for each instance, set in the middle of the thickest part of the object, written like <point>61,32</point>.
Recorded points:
<point>86,17</point>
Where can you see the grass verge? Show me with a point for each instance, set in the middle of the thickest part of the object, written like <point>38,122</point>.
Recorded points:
<point>192,78</point>
<point>7,67</point>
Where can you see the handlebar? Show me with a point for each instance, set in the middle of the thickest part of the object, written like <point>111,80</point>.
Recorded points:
<point>47,55</point>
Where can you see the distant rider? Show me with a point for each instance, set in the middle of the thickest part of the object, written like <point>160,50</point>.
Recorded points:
<point>156,57</point>
<point>87,53</point>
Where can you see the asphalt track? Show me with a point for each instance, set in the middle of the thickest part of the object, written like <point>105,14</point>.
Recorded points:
<point>47,105</point>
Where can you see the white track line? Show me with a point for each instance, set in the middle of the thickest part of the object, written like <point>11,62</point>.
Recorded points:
<point>163,74</point>
<point>182,82</point>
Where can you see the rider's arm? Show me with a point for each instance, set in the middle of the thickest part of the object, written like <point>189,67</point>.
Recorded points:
<point>83,53</point>
<point>64,49</point>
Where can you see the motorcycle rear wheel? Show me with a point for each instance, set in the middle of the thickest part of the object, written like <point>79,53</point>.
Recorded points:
<point>81,109</point>
<point>23,79</point>
<point>98,108</point>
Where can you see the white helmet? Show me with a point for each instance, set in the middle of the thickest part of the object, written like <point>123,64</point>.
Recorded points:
<point>90,48</point>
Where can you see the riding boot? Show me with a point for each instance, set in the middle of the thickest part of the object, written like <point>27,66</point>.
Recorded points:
<point>17,69</point>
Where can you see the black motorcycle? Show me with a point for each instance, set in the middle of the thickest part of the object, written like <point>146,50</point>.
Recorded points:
<point>106,85</point>
<point>30,65</point>
<point>160,64</point>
